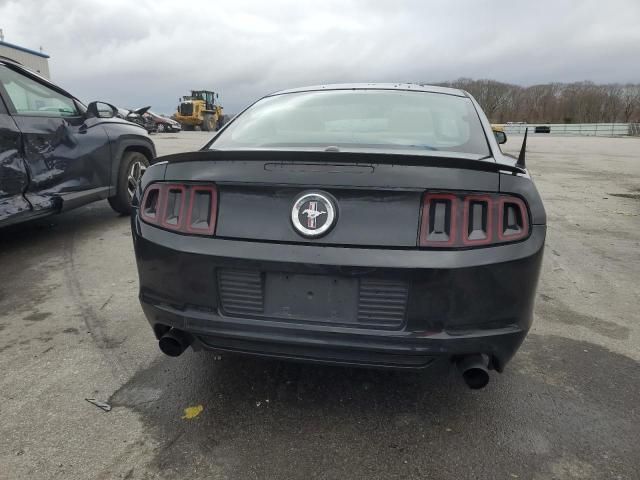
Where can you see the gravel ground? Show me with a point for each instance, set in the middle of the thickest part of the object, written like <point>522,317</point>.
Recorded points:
<point>565,408</point>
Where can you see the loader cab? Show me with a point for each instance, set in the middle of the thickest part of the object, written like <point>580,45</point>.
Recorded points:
<point>207,96</point>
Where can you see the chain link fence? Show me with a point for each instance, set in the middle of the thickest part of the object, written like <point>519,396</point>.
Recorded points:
<point>588,129</point>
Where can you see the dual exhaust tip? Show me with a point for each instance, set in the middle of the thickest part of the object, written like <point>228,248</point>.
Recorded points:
<point>474,368</point>
<point>174,342</point>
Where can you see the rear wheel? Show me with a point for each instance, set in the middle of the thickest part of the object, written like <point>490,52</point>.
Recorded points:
<point>132,167</point>
<point>208,123</point>
<point>161,127</point>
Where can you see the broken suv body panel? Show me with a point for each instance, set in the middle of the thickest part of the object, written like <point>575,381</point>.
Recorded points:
<point>53,156</point>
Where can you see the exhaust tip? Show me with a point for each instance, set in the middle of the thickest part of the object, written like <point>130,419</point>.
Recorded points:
<point>174,342</point>
<point>476,378</point>
<point>474,370</point>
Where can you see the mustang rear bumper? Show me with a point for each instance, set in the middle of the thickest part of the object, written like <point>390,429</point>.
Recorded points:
<point>458,302</point>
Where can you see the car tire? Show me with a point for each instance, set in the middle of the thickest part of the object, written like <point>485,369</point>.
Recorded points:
<point>161,127</point>
<point>132,167</point>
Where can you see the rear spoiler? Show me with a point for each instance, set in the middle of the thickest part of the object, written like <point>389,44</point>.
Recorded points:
<point>485,164</point>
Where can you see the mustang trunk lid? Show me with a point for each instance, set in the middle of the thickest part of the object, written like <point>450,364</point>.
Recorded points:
<point>378,198</point>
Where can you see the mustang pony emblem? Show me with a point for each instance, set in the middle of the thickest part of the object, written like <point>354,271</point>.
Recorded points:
<point>312,213</point>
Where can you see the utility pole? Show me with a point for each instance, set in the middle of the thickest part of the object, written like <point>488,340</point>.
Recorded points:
<point>1,35</point>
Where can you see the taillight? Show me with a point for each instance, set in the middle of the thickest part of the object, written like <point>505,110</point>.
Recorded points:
<point>513,219</point>
<point>183,207</point>
<point>451,220</point>
<point>439,225</point>
<point>174,197</point>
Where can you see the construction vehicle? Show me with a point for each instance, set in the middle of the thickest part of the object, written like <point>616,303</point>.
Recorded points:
<point>200,110</point>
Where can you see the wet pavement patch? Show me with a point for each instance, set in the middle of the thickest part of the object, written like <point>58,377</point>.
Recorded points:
<point>559,404</point>
<point>555,311</point>
<point>634,196</point>
<point>37,316</point>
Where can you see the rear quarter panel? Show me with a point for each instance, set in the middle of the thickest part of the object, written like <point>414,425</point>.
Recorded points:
<point>524,187</point>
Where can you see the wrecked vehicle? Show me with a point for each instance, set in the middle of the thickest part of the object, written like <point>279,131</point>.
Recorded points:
<point>163,124</point>
<point>370,225</point>
<point>139,116</point>
<point>57,154</point>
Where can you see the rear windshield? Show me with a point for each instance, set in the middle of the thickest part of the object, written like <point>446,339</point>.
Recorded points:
<point>383,119</point>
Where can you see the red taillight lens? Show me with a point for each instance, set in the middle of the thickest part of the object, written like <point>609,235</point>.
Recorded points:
<point>149,208</point>
<point>467,220</point>
<point>173,211</point>
<point>203,210</point>
<point>477,221</point>
<point>439,220</point>
<point>186,208</point>
<point>513,219</point>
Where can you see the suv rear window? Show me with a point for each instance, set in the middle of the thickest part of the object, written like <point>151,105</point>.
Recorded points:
<point>382,119</point>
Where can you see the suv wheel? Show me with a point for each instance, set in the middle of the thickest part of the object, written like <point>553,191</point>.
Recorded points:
<point>132,167</point>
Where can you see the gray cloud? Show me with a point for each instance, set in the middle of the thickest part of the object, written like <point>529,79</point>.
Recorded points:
<point>152,52</point>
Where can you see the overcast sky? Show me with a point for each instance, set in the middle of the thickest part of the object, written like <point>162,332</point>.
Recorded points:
<point>151,52</point>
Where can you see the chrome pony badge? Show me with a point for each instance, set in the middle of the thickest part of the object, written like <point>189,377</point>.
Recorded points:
<point>313,214</point>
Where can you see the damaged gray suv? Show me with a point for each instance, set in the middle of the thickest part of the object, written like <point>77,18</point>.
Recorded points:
<point>57,154</point>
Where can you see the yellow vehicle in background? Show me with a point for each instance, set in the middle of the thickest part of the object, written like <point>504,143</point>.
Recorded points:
<point>200,110</point>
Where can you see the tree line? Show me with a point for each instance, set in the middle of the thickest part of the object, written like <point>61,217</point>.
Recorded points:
<point>579,102</point>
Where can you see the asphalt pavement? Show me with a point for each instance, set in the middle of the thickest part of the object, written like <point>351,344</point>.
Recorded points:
<point>566,407</point>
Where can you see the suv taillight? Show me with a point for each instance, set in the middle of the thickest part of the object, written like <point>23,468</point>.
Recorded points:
<point>451,220</point>
<point>183,207</point>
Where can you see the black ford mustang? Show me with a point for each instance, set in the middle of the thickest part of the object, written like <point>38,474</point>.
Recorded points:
<point>372,225</point>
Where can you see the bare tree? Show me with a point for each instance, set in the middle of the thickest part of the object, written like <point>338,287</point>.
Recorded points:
<point>578,102</point>
<point>630,99</point>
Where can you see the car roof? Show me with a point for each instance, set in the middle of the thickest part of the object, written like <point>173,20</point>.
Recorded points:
<point>377,86</point>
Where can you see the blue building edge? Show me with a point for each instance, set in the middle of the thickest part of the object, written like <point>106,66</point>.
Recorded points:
<point>22,49</point>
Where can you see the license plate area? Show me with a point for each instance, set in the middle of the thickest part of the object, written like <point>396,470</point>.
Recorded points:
<point>363,301</point>
<point>312,298</point>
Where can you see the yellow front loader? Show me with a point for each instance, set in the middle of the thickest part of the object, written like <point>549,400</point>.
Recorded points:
<point>200,110</point>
